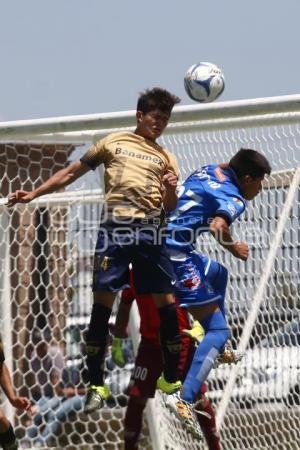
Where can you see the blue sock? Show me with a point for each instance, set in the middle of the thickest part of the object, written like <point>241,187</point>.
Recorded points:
<point>207,351</point>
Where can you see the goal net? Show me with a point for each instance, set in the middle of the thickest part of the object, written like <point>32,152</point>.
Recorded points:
<point>46,252</point>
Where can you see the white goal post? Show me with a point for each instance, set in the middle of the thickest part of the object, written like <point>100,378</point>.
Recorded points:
<point>47,246</point>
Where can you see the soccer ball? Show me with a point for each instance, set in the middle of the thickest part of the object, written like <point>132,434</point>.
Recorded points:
<point>204,82</point>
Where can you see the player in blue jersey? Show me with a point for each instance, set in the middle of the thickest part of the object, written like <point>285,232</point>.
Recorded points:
<point>209,201</point>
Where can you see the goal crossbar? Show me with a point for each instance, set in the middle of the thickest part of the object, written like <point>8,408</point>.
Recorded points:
<point>189,113</point>
<point>199,125</point>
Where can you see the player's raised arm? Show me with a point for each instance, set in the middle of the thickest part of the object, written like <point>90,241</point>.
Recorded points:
<point>60,179</point>
<point>220,230</point>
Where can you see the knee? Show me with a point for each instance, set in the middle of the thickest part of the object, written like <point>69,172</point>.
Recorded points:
<point>2,416</point>
<point>223,274</point>
<point>4,422</point>
<point>174,345</point>
<point>217,275</point>
<point>216,323</point>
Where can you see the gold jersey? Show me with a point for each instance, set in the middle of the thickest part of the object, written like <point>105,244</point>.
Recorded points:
<point>134,167</point>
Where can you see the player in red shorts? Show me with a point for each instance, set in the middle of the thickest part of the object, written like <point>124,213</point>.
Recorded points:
<point>148,367</point>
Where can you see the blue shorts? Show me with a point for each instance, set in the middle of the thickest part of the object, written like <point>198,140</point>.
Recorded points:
<point>200,280</point>
<point>137,244</point>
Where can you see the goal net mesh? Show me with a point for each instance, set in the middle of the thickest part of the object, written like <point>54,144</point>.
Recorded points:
<point>46,250</point>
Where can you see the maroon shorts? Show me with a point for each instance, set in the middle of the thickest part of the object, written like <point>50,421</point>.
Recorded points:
<point>147,369</point>
<point>149,365</point>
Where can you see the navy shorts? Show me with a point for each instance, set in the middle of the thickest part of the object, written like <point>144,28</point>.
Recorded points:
<point>136,244</point>
<point>200,280</point>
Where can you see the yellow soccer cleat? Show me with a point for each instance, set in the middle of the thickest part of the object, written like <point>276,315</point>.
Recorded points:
<point>166,387</point>
<point>95,398</point>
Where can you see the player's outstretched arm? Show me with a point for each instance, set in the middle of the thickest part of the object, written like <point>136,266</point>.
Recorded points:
<point>220,230</point>
<point>18,402</point>
<point>58,180</point>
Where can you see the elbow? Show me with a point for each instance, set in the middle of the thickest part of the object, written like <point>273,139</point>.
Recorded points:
<point>214,229</point>
<point>218,229</point>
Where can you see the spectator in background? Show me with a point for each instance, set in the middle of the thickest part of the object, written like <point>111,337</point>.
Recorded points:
<point>56,390</point>
<point>8,439</point>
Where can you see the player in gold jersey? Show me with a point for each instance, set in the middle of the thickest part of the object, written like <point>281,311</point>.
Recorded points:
<point>140,181</point>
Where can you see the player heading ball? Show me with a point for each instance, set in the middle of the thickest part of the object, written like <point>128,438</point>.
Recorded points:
<point>140,176</point>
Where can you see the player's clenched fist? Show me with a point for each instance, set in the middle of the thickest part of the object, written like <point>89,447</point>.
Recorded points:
<point>23,403</point>
<point>170,180</point>
<point>241,250</point>
<point>19,197</point>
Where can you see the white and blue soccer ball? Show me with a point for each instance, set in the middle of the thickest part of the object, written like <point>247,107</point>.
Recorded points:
<point>204,82</point>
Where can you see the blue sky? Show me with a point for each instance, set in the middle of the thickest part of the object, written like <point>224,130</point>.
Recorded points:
<point>65,57</point>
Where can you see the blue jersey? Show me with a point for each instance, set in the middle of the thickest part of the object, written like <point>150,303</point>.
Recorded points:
<point>210,191</point>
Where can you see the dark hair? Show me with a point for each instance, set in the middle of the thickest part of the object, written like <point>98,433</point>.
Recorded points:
<point>156,98</point>
<point>250,162</point>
